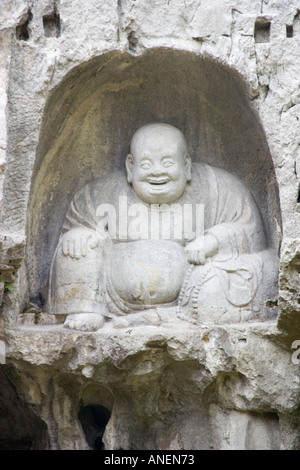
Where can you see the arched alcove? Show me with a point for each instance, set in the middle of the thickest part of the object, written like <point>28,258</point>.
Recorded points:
<point>91,115</point>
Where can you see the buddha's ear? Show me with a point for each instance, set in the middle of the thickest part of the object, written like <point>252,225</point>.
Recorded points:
<point>129,167</point>
<point>188,167</point>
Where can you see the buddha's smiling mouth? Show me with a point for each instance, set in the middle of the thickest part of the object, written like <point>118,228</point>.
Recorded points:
<point>158,181</point>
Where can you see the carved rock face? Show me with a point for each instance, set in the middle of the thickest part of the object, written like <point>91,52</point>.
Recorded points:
<point>148,272</point>
<point>159,166</point>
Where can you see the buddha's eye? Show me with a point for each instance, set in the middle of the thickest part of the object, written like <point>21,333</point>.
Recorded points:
<point>145,164</point>
<point>167,162</point>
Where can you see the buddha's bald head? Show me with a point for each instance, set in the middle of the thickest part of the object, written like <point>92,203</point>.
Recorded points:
<point>158,166</point>
<point>160,133</point>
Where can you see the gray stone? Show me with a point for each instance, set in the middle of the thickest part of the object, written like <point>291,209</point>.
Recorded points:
<point>143,243</point>
<point>165,388</point>
<point>72,93</point>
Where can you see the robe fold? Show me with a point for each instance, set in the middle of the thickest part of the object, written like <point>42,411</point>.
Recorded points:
<point>230,215</point>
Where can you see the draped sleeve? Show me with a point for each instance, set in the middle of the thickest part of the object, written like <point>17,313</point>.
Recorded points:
<point>234,220</point>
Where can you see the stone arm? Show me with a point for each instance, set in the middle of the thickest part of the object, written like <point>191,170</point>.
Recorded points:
<point>235,227</point>
<point>81,230</point>
<point>233,249</point>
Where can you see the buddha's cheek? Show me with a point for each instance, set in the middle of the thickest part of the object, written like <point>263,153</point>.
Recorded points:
<point>148,272</point>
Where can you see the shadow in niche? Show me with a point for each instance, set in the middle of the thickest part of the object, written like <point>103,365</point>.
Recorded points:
<point>20,428</point>
<point>94,419</point>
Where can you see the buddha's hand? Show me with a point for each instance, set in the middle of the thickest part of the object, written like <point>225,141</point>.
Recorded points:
<point>200,249</point>
<point>78,241</point>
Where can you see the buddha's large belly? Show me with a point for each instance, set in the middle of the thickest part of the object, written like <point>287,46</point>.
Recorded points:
<point>148,272</point>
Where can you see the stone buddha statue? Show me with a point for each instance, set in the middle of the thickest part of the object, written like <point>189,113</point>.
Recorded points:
<point>167,233</point>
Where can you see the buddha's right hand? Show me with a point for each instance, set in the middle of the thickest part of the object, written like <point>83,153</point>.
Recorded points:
<point>78,241</point>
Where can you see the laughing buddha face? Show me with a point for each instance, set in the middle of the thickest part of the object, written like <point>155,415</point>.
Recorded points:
<point>158,166</point>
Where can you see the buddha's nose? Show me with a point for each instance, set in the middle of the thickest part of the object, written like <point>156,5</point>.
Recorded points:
<point>156,169</point>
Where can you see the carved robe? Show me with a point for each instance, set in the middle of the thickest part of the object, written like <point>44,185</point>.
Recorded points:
<point>230,215</point>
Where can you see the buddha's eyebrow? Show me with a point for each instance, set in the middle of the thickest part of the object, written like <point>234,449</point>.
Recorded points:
<point>168,154</point>
<point>145,156</point>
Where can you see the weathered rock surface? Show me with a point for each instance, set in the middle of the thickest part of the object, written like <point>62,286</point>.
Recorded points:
<point>75,82</point>
<point>165,388</point>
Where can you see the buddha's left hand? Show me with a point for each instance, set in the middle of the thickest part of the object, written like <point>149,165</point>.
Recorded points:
<point>200,249</point>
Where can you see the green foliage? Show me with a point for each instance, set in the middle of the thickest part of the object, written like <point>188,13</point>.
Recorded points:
<point>6,285</point>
